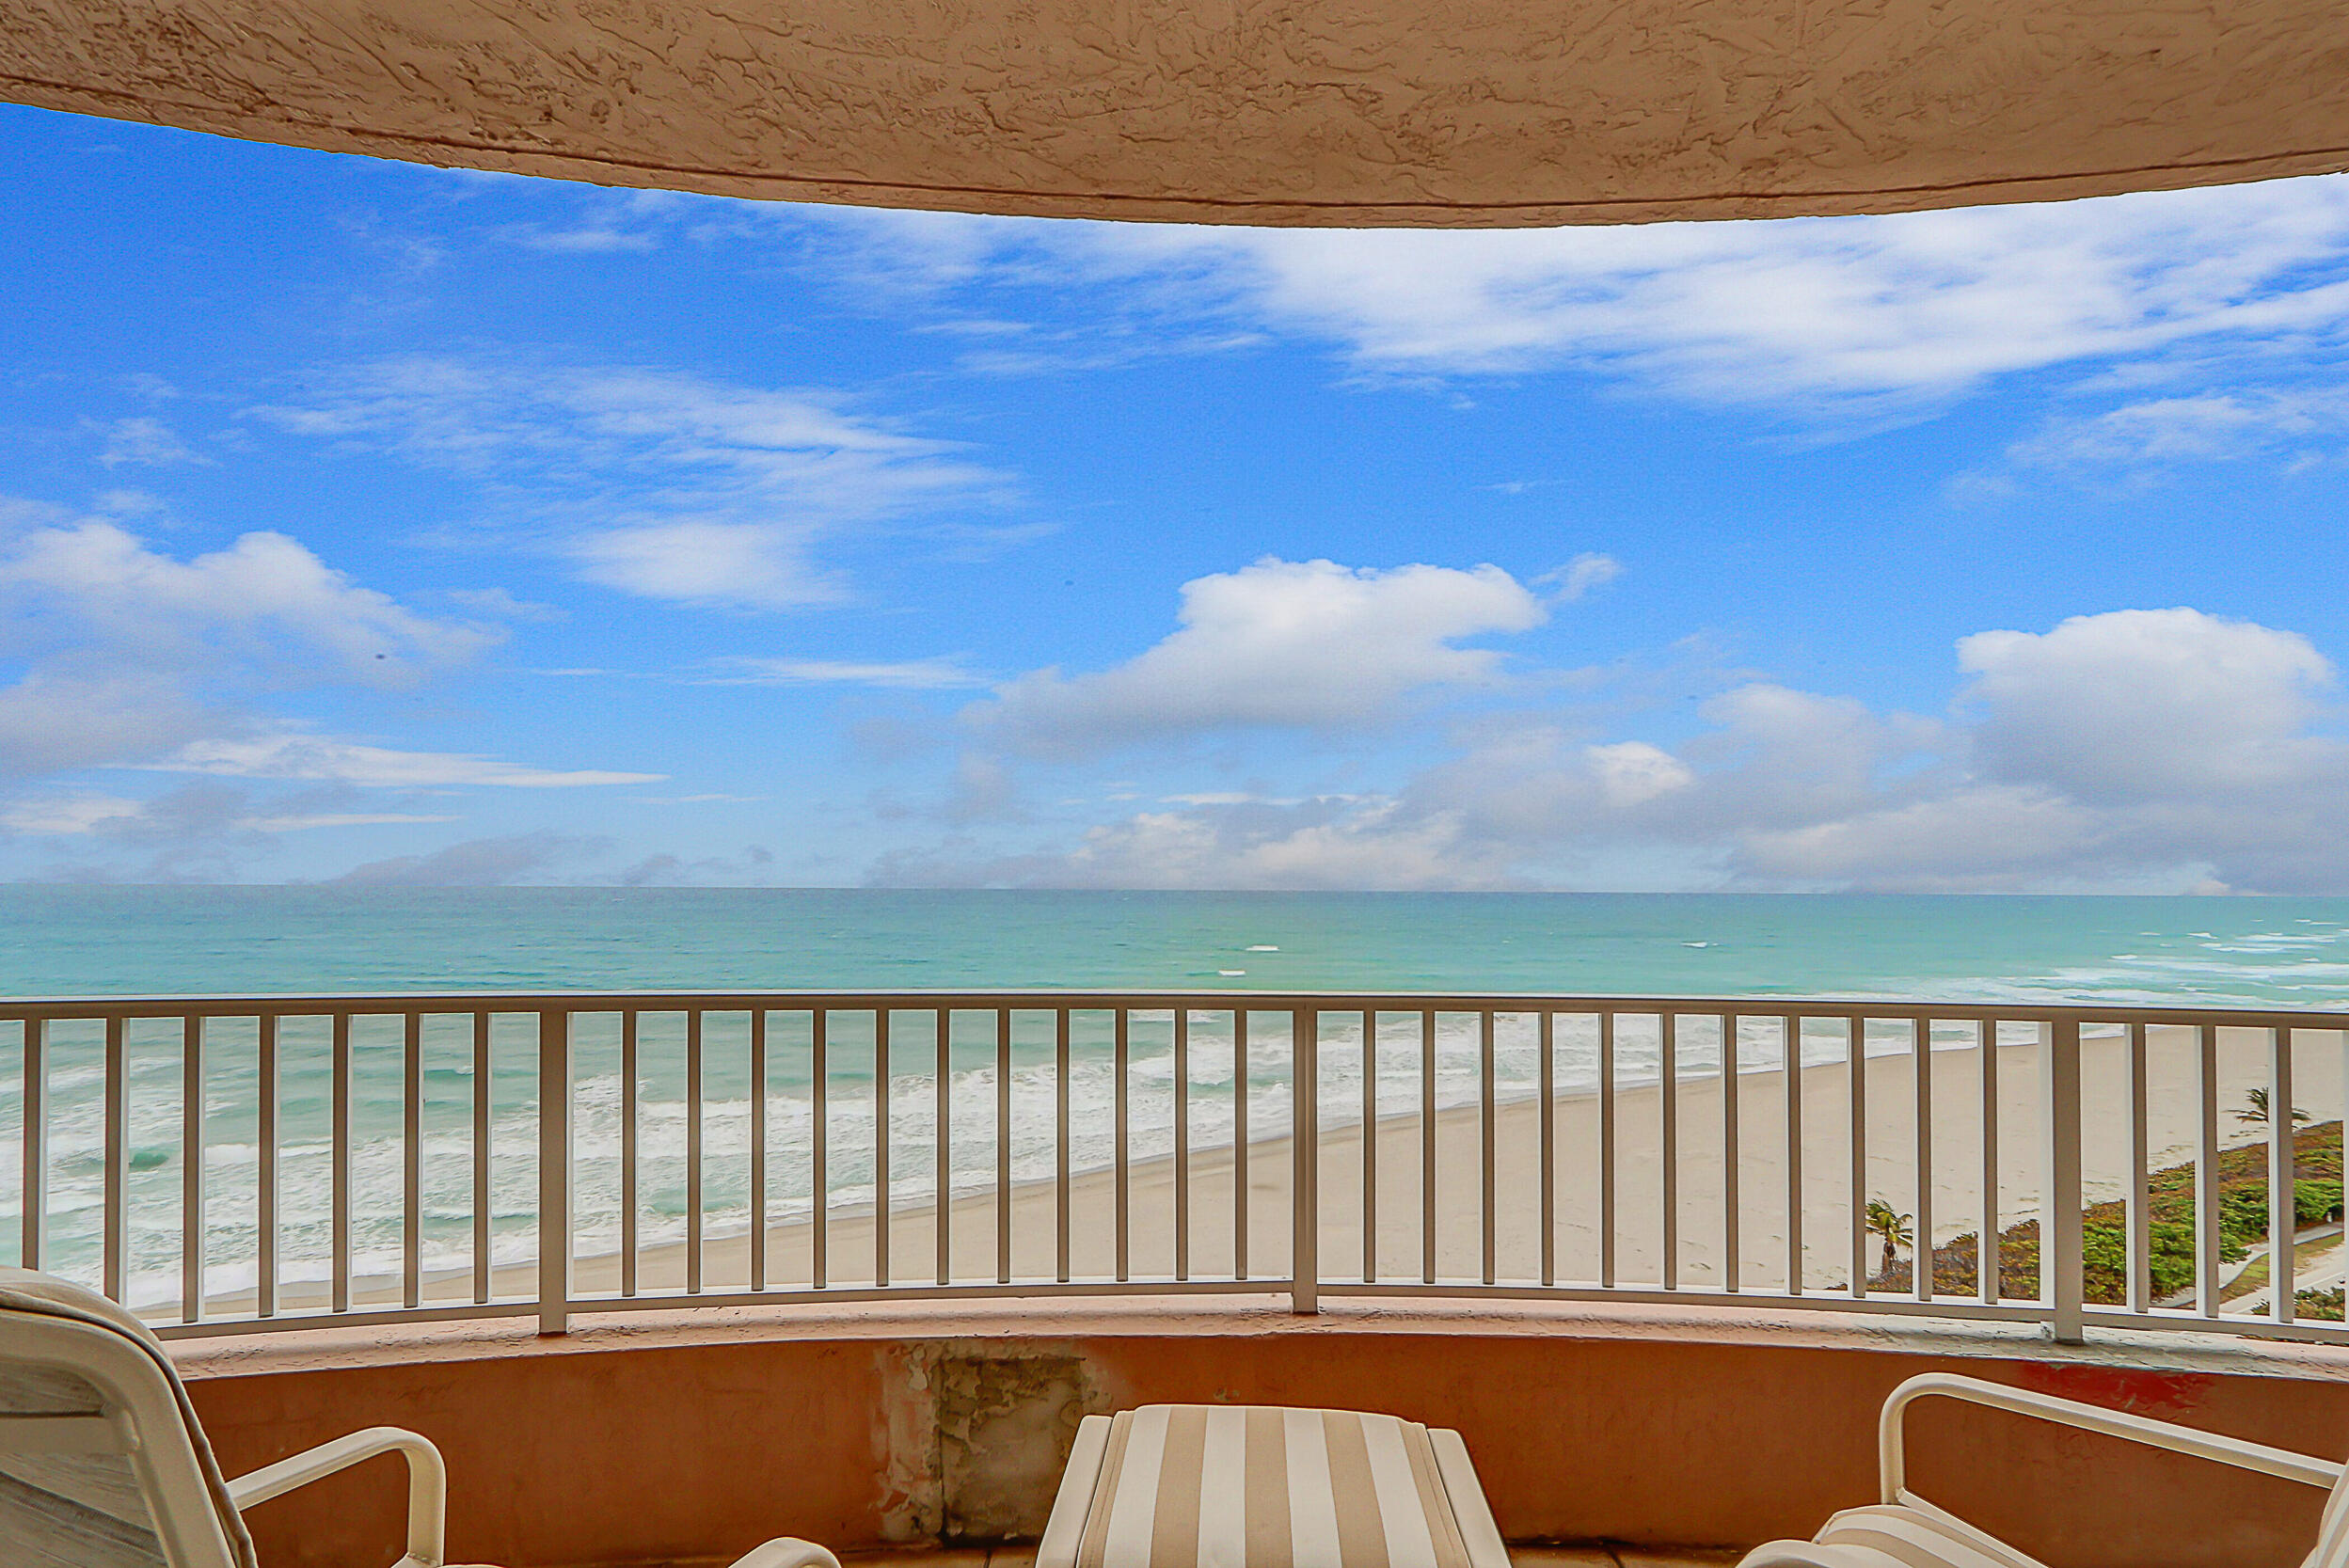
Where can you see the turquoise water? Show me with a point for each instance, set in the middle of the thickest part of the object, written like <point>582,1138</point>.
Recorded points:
<point>104,940</point>
<point>110,941</point>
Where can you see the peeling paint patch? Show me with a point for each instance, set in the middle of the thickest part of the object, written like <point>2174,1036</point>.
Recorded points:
<point>2141,1393</point>
<point>976,1434</point>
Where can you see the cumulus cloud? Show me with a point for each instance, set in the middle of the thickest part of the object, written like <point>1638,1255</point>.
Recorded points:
<point>266,604</point>
<point>129,653</point>
<point>2139,750</point>
<point>1305,644</point>
<point>667,486</point>
<point>2149,703</point>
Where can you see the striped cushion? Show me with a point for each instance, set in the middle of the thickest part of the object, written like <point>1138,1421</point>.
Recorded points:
<point>1240,1486</point>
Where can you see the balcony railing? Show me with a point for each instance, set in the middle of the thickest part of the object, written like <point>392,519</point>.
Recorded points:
<point>229,1164</point>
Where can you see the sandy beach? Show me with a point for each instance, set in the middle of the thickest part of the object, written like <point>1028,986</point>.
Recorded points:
<point>1400,1204</point>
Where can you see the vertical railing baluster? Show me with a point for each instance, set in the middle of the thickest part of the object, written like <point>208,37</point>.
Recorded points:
<point>1606,1151</point>
<point>1370,1145</point>
<point>339,1157</point>
<point>1002,1145</point>
<point>412,1162</point>
<point>758,1149</point>
<point>1921,1251</point>
<point>2283,1217</point>
<point>115,1267</point>
<point>1488,1131</point>
<point>693,1157</point>
<point>1427,1148</point>
<point>1240,1142</point>
<point>1668,1088</point>
<point>555,1172</point>
<point>485,1103</point>
<point>2060,1260</point>
<point>2139,1206</point>
<point>882,1192</point>
<point>1547,1089</point>
<point>1122,1134</point>
<point>1182,1142</point>
<point>265,1106</point>
<point>943,1204</point>
<point>1989,1251</point>
<point>819,1144</point>
<point>1855,1080</point>
<point>1731,1158</point>
<point>1790,1082</point>
<point>35,1150</point>
<point>2207,1236</point>
<point>631,1175</point>
<point>191,1168</point>
<point>1856,1083</point>
<point>1062,1236</point>
<point>1305,1118</point>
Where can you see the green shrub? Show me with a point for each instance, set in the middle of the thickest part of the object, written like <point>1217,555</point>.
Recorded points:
<point>2323,1304</point>
<point>2106,1255</point>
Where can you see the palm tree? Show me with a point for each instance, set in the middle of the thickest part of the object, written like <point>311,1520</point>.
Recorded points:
<point>2255,1108</point>
<point>1892,1227</point>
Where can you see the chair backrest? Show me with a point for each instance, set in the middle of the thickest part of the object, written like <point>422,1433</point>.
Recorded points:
<point>102,1461</point>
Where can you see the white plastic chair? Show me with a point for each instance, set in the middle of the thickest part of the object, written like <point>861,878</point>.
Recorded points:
<point>1903,1530</point>
<point>104,1465</point>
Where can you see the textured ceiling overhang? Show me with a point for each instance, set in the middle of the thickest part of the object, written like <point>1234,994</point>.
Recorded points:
<point>1461,112</point>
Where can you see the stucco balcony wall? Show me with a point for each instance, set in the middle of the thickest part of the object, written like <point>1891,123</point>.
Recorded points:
<point>686,1438</point>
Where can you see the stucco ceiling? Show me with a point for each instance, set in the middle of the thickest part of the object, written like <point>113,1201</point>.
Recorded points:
<point>1463,112</point>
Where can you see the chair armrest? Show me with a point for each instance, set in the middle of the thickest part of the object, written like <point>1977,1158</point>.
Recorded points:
<point>2245,1455</point>
<point>428,1483</point>
<point>787,1551</point>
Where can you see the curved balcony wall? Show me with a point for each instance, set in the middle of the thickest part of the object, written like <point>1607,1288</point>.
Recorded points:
<point>682,1439</point>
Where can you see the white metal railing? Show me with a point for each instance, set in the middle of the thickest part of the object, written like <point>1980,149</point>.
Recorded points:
<point>230,1164</point>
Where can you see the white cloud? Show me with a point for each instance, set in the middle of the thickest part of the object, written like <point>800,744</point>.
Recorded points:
<point>2137,750</point>
<point>67,814</point>
<point>667,486</point>
<point>1632,772</point>
<point>148,442</point>
<point>74,816</point>
<point>2294,424</point>
<point>914,674</point>
<point>267,604</point>
<point>1299,644</point>
<point>1912,307</point>
<point>1334,843</point>
<point>129,653</point>
<point>2149,703</point>
<point>301,756</point>
<point>1578,576</point>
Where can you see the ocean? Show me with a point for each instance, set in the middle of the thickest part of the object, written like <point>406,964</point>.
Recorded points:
<point>77,940</point>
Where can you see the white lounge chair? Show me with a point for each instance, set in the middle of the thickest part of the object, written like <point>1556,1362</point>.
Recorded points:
<point>104,1465</point>
<point>1223,1487</point>
<point>1903,1530</point>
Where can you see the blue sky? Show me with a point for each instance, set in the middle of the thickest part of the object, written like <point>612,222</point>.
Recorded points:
<point>371,521</point>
